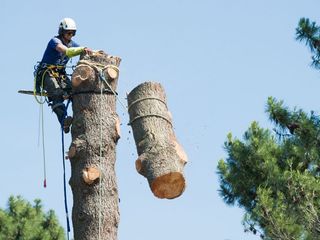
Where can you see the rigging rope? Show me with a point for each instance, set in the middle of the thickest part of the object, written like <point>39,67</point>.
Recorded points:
<point>64,171</point>
<point>102,77</point>
<point>100,163</point>
<point>100,70</point>
<point>41,101</point>
<point>43,150</point>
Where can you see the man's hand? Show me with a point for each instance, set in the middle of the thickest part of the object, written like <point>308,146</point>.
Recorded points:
<point>88,51</point>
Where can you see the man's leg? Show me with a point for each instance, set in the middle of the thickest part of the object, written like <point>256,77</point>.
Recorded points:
<point>55,96</point>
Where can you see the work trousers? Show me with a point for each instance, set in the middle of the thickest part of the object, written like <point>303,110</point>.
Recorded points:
<point>56,88</point>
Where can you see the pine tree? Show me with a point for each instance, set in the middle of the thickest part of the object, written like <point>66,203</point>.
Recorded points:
<point>309,33</point>
<point>274,175</point>
<point>23,221</point>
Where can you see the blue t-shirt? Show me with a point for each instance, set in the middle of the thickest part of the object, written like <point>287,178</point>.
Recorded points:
<point>52,56</point>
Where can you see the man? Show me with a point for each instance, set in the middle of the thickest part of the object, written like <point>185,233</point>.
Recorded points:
<point>51,73</point>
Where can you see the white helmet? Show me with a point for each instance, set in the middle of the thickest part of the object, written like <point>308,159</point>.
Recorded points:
<point>67,24</point>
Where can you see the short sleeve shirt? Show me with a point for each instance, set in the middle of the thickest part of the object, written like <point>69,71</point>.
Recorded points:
<point>54,57</point>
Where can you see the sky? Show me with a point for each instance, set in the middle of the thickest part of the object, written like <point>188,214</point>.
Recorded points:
<point>218,62</point>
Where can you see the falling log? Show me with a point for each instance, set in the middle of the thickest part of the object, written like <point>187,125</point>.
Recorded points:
<point>161,158</point>
<point>92,151</point>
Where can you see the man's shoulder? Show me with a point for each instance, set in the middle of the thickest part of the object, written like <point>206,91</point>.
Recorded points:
<point>55,40</point>
<point>74,44</point>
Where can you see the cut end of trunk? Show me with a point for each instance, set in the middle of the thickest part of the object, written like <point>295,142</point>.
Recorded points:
<point>81,74</point>
<point>168,186</point>
<point>90,174</point>
<point>112,72</point>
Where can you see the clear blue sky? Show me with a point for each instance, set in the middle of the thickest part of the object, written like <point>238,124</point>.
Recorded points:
<point>218,62</point>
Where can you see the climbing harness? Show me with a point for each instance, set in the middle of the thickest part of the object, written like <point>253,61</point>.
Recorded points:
<point>40,72</point>
<point>64,170</point>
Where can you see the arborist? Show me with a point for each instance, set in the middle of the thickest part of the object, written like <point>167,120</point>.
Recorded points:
<point>50,73</point>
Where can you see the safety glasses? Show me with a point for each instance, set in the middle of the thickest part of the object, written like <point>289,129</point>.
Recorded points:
<point>70,33</point>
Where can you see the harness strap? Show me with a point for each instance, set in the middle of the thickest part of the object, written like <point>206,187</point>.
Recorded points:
<point>57,105</point>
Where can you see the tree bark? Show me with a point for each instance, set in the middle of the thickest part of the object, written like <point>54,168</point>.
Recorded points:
<point>161,158</point>
<point>93,149</point>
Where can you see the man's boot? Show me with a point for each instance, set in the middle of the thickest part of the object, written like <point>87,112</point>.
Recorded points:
<point>67,123</point>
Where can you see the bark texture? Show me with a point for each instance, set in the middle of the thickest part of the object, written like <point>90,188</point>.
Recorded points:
<point>161,158</point>
<point>92,174</point>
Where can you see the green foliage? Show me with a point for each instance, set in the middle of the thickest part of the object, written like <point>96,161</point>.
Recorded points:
<point>275,175</point>
<point>22,221</point>
<point>309,33</point>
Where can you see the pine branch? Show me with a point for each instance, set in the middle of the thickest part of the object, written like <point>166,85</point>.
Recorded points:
<point>316,61</point>
<point>309,33</point>
<point>278,113</point>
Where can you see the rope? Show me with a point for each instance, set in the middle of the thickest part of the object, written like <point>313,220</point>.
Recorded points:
<point>99,68</point>
<point>41,101</point>
<point>105,91</point>
<point>151,115</point>
<point>147,98</point>
<point>43,149</point>
<point>64,172</point>
<point>102,77</point>
<point>100,165</point>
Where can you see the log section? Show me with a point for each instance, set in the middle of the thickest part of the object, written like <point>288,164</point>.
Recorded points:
<point>161,158</point>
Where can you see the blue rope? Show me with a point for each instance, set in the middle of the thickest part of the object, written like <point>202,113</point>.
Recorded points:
<point>64,171</point>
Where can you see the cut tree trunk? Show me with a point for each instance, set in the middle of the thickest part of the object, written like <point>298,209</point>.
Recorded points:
<point>161,158</point>
<point>93,149</point>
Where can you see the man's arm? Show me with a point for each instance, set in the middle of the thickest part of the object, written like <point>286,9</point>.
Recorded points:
<point>72,51</point>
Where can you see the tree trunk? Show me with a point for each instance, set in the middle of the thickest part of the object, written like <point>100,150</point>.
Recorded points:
<point>95,132</point>
<point>161,158</point>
